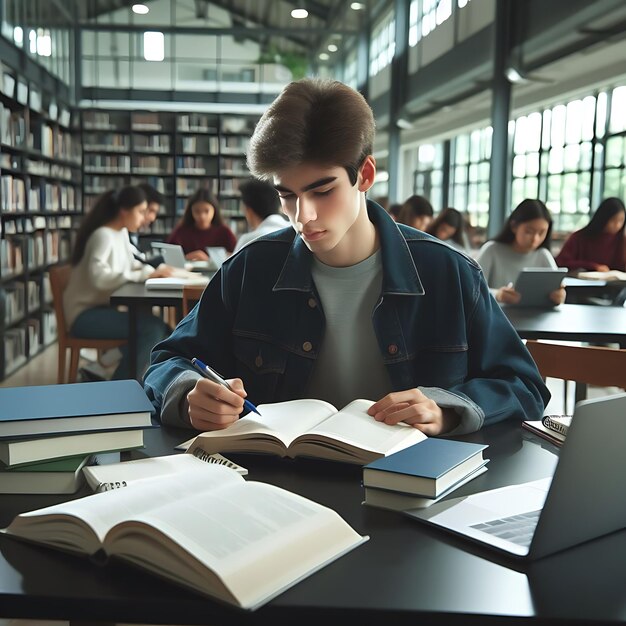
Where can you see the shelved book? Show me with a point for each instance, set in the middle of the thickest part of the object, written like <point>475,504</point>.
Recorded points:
<point>426,469</point>
<point>207,529</point>
<point>79,407</point>
<point>59,476</point>
<point>312,428</point>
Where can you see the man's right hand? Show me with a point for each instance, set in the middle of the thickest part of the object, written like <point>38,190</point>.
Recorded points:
<point>213,406</point>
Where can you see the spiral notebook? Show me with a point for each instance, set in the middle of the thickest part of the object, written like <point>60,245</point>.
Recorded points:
<point>117,475</point>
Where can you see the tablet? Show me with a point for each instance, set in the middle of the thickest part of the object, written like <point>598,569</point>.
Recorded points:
<point>535,284</point>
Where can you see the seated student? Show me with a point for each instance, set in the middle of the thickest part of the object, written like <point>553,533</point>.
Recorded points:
<point>416,212</point>
<point>261,205</point>
<point>449,226</point>
<point>154,200</point>
<point>394,210</point>
<point>524,241</point>
<point>347,304</point>
<point>599,246</point>
<point>102,261</point>
<point>201,226</point>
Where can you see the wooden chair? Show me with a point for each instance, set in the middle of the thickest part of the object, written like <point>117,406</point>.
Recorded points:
<point>585,365</point>
<point>59,277</point>
<point>191,295</point>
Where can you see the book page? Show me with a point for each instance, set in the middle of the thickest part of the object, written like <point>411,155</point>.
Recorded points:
<point>63,525</point>
<point>258,538</point>
<point>353,426</point>
<point>283,421</point>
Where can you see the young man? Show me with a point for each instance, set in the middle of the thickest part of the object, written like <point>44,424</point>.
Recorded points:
<point>261,206</point>
<point>154,199</point>
<point>346,305</point>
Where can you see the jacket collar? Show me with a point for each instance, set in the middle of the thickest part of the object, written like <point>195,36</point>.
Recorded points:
<point>400,276</point>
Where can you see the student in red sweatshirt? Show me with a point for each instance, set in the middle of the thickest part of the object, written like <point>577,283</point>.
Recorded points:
<point>599,246</point>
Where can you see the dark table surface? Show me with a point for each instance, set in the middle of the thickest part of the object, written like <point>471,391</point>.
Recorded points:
<point>406,573</point>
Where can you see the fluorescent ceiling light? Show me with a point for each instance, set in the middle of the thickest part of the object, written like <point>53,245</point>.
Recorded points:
<point>140,9</point>
<point>324,56</point>
<point>403,124</point>
<point>299,14</point>
<point>18,35</point>
<point>332,47</point>
<point>153,46</point>
<point>357,6</point>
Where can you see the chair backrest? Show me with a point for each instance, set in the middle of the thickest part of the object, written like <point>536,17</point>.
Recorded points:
<point>191,295</point>
<point>592,365</point>
<point>59,278</point>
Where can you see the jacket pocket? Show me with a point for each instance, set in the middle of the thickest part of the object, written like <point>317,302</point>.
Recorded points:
<point>443,366</point>
<point>261,365</point>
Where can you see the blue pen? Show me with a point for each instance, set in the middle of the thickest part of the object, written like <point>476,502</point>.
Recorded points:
<point>211,374</point>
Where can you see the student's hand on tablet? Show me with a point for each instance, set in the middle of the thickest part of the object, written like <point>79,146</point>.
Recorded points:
<point>508,295</point>
<point>415,409</point>
<point>197,255</point>
<point>602,268</point>
<point>213,406</point>
<point>558,296</point>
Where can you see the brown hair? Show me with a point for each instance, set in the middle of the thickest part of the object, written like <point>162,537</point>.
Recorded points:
<point>313,121</point>
<point>201,195</point>
<point>414,206</point>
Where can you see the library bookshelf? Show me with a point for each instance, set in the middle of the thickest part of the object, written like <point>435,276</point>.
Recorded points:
<point>40,205</point>
<point>175,152</point>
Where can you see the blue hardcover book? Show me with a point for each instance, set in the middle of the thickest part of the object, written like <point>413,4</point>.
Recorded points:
<point>427,468</point>
<point>53,409</point>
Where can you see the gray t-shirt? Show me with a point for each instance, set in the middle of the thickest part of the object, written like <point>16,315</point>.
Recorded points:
<point>350,364</point>
<point>501,263</point>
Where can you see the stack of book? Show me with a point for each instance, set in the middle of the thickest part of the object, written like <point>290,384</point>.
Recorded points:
<point>422,474</point>
<point>49,433</point>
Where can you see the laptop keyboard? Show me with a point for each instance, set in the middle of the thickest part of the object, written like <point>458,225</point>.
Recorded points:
<point>518,529</point>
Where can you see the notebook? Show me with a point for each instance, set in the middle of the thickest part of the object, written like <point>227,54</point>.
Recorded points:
<point>583,500</point>
<point>217,255</point>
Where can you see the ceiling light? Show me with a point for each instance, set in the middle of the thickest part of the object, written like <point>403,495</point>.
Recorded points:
<point>299,14</point>
<point>332,47</point>
<point>514,76</point>
<point>403,124</point>
<point>357,6</point>
<point>140,9</point>
<point>324,56</point>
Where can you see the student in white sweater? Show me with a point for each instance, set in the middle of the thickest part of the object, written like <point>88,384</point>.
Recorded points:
<point>102,261</point>
<point>523,242</point>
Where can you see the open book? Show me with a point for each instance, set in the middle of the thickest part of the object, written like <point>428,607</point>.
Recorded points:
<point>610,275</point>
<point>207,529</point>
<point>310,428</point>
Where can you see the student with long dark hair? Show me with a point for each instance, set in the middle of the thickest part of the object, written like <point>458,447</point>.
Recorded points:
<point>202,226</point>
<point>102,261</point>
<point>524,241</point>
<point>599,246</point>
<point>449,226</point>
<point>417,212</point>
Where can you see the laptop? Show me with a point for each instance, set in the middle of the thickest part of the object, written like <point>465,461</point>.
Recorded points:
<point>217,255</point>
<point>583,500</point>
<point>172,253</point>
<point>174,256</point>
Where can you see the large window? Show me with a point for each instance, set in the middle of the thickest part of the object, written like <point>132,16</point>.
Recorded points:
<point>615,151</point>
<point>469,181</point>
<point>383,45</point>
<point>426,15</point>
<point>428,174</point>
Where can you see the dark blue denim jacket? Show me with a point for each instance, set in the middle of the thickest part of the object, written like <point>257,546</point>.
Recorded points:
<point>438,329</point>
